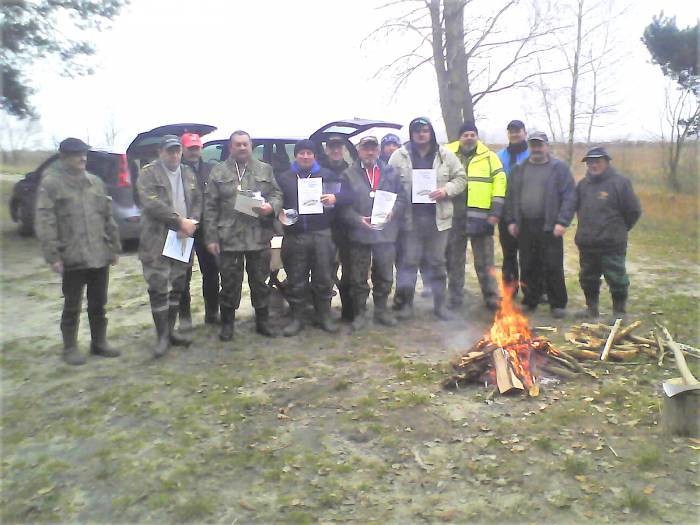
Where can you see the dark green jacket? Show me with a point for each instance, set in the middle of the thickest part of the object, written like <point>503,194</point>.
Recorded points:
<point>607,209</point>
<point>157,212</point>
<point>74,222</point>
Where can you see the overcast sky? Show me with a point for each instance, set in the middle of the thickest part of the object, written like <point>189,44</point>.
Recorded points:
<point>283,68</point>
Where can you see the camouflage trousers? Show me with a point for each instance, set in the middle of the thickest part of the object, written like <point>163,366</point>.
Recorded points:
<point>231,266</point>
<point>482,250</point>
<point>308,253</point>
<point>379,260</point>
<point>610,265</point>
<point>166,279</point>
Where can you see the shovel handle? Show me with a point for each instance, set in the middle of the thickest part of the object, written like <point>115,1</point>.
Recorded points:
<point>686,374</point>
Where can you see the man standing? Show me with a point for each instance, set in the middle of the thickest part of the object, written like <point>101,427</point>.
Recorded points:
<point>390,143</point>
<point>335,162</point>
<point>307,246</point>
<point>484,200</point>
<point>515,153</point>
<point>241,237</point>
<point>192,157</point>
<point>428,219</point>
<point>607,209</point>
<point>170,201</point>
<point>79,239</point>
<point>373,245</point>
<point>540,204</point>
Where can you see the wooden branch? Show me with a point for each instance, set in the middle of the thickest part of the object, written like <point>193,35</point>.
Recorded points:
<point>624,332</point>
<point>611,339</point>
<point>686,374</point>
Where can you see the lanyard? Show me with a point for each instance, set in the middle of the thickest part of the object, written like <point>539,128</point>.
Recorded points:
<point>374,179</point>
<point>240,175</point>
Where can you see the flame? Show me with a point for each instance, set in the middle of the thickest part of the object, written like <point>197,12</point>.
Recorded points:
<point>510,326</point>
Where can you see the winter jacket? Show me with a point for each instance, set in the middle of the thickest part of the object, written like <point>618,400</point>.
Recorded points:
<point>607,209</point>
<point>504,157</point>
<point>560,198</point>
<point>389,180</point>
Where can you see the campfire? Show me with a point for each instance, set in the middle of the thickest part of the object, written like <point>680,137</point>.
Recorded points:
<point>509,356</point>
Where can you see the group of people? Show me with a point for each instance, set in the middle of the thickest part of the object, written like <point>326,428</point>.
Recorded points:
<point>439,199</point>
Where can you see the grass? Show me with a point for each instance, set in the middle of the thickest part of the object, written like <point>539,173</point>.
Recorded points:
<point>648,458</point>
<point>574,466</point>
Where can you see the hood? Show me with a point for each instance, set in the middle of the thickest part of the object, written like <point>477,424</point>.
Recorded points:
<point>315,168</point>
<point>423,121</point>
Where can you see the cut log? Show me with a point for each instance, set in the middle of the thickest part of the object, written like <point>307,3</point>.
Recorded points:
<point>559,371</point>
<point>627,330</point>
<point>611,339</point>
<point>506,379</point>
<point>680,414</point>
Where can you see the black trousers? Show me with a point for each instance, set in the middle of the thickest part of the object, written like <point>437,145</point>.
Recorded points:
<point>74,282</point>
<point>309,253</point>
<point>210,279</point>
<point>509,247</point>
<point>541,262</point>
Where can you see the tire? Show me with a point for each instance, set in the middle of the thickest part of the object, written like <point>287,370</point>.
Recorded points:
<point>25,216</point>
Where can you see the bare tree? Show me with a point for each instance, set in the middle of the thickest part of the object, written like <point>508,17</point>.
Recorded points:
<point>472,58</point>
<point>681,115</point>
<point>17,135</point>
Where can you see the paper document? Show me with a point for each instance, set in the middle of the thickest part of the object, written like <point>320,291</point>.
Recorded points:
<point>309,195</point>
<point>246,201</point>
<point>424,183</point>
<point>178,248</point>
<point>383,204</point>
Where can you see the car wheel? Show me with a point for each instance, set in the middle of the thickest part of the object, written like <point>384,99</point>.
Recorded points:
<point>25,215</point>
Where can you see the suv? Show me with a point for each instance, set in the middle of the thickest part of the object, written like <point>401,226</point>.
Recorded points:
<point>119,172</point>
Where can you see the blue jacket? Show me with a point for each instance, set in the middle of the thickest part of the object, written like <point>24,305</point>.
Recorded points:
<point>504,156</point>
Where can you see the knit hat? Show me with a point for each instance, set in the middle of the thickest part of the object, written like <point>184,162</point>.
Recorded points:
<point>469,125</point>
<point>304,144</point>
<point>390,138</point>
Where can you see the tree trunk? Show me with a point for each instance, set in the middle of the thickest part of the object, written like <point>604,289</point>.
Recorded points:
<point>574,84</point>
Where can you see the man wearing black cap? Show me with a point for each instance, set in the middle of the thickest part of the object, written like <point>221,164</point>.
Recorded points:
<point>79,239</point>
<point>607,209</point>
<point>515,153</point>
<point>428,219</point>
<point>307,245</point>
<point>373,244</point>
<point>170,201</point>
<point>540,205</point>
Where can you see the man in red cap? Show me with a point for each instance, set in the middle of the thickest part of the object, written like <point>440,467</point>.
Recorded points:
<point>192,157</point>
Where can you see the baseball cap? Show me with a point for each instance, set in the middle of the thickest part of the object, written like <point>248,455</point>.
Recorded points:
<point>390,138</point>
<point>369,140</point>
<point>168,141</point>
<point>596,152</point>
<point>190,140</point>
<point>73,145</point>
<point>538,135</point>
<point>515,125</point>
<point>334,139</point>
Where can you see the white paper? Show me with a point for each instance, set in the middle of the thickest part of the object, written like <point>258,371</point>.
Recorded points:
<point>178,248</point>
<point>383,204</point>
<point>276,242</point>
<point>309,195</point>
<point>424,182</point>
<point>245,202</point>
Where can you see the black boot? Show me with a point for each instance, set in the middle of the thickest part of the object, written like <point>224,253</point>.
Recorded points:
<point>325,319</point>
<point>99,345</point>
<point>69,330</point>
<point>360,314</point>
<point>440,306</point>
<point>405,310</point>
<point>347,309</point>
<point>592,311</point>
<point>382,315</point>
<point>176,338</point>
<point>619,304</point>
<point>262,322</point>
<point>162,322</point>
<point>228,319</point>
<point>211,312</point>
<point>185,315</point>
<point>296,324</point>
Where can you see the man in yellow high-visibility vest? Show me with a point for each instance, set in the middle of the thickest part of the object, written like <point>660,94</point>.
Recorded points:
<point>476,213</point>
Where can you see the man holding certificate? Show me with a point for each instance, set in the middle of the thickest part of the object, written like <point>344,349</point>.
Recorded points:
<point>307,246</point>
<point>170,202</point>
<point>373,220</point>
<point>240,201</point>
<point>432,176</point>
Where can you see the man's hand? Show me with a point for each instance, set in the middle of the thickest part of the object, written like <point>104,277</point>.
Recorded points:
<point>115,260</point>
<point>559,230</point>
<point>492,220</point>
<point>264,209</point>
<point>57,267</point>
<point>438,194</point>
<point>328,199</point>
<point>188,226</point>
<point>367,222</point>
<point>513,229</point>
<point>214,248</point>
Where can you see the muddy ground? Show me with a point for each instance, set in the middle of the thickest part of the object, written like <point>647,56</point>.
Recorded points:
<point>330,429</point>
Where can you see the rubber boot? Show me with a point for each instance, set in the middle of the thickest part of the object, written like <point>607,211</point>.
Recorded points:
<point>325,319</point>
<point>592,311</point>
<point>262,322</point>
<point>360,314</point>
<point>211,312</point>
<point>405,310</point>
<point>176,338</point>
<point>296,324</point>
<point>619,304</point>
<point>228,320</point>
<point>347,309</point>
<point>162,322</point>
<point>382,315</point>
<point>440,306</point>
<point>185,314</point>
<point>69,330</point>
<point>99,345</point>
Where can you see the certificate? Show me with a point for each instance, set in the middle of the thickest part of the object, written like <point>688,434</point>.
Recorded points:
<point>383,204</point>
<point>309,195</point>
<point>246,201</point>
<point>424,182</point>
<point>178,248</point>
